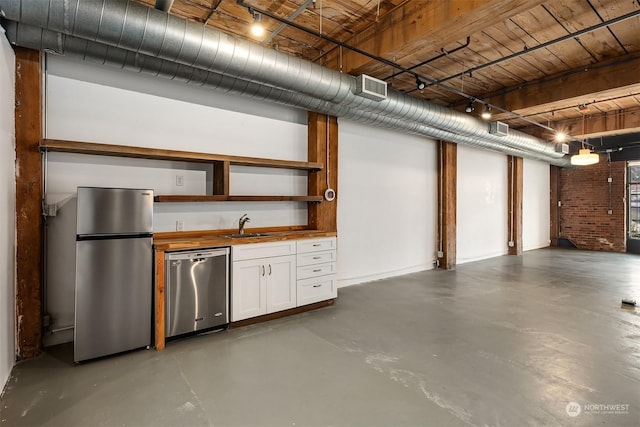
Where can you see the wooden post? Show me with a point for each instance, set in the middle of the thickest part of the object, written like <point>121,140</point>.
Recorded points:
<point>447,200</point>
<point>514,203</point>
<point>323,135</point>
<point>159,300</point>
<point>554,198</point>
<point>29,228</point>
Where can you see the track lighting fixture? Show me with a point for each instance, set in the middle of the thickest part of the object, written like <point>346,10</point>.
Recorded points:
<point>486,114</point>
<point>420,84</point>
<point>469,107</point>
<point>561,136</point>
<point>257,29</point>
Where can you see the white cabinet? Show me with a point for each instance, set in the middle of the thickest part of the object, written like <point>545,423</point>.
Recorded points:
<point>275,276</point>
<point>260,283</point>
<point>316,272</point>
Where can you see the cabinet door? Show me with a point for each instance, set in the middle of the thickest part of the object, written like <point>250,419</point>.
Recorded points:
<point>281,283</point>
<point>249,289</point>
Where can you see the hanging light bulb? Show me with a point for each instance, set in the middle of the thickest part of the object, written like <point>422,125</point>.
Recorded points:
<point>584,157</point>
<point>486,114</point>
<point>561,136</point>
<point>257,29</point>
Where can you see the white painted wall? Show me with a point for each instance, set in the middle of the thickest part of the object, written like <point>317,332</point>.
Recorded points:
<point>7,209</point>
<point>482,205</point>
<point>96,103</point>
<point>88,102</point>
<point>386,203</point>
<point>535,205</point>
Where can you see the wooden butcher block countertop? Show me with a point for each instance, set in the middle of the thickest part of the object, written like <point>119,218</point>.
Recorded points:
<point>176,241</point>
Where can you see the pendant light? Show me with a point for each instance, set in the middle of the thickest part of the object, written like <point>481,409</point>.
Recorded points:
<point>584,157</point>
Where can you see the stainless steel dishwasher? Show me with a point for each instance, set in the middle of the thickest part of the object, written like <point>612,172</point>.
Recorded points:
<point>196,290</point>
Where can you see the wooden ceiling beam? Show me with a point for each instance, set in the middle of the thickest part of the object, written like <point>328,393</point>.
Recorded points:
<point>422,26</point>
<point>584,85</point>
<point>595,125</point>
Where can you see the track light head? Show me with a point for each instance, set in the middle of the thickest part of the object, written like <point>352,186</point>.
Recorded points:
<point>469,107</point>
<point>486,114</point>
<point>420,84</point>
<point>561,136</point>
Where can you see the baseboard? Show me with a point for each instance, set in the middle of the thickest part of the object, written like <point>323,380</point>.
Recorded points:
<point>384,275</point>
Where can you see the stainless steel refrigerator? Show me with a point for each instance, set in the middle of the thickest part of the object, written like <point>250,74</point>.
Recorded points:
<point>114,271</point>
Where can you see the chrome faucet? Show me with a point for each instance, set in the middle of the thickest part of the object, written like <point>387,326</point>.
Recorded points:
<point>241,222</point>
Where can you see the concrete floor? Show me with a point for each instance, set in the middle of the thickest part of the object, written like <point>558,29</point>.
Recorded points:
<point>508,341</point>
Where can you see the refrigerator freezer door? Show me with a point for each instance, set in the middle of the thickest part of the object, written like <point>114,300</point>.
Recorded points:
<point>113,296</point>
<point>114,211</point>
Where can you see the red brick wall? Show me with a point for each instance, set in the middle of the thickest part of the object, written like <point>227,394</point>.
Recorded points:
<point>584,193</point>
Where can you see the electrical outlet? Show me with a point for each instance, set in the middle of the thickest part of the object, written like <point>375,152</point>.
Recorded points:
<point>440,254</point>
<point>609,179</point>
<point>559,204</point>
<point>51,210</point>
<point>610,212</point>
<point>179,180</point>
<point>511,243</point>
<point>179,225</point>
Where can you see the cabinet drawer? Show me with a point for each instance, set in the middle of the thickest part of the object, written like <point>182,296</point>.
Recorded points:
<point>262,250</point>
<point>316,245</point>
<point>316,258</point>
<point>316,270</point>
<point>316,289</point>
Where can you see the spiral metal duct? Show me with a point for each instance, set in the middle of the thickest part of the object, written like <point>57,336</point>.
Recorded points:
<point>176,48</point>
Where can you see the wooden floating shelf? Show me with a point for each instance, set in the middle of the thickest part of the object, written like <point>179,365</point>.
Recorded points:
<point>56,145</point>
<point>223,198</point>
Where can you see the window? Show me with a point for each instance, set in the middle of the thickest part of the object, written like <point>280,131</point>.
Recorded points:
<point>634,200</point>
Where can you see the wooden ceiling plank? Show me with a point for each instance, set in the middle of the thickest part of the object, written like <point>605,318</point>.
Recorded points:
<point>420,25</point>
<point>616,74</point>
<point>628,34</point>
<point>517,40</point>
<point>541,24</point>
<point>511,37</point>
<point>609,9</point>
<point>601,43</point>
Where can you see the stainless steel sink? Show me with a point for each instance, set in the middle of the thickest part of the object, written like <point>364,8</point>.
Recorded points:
<point>247,235</point>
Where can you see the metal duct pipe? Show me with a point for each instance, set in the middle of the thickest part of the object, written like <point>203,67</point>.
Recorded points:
<point>40,39</point>
<point>140,29</point>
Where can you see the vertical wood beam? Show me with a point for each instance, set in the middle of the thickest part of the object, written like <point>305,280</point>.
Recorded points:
<point>29,229</point>
<point>221,177</point>
<point>447,204</point>
<point>554,198</point>
<point>159,300</point>
<point>514,203</point>
<point>323,136</point>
